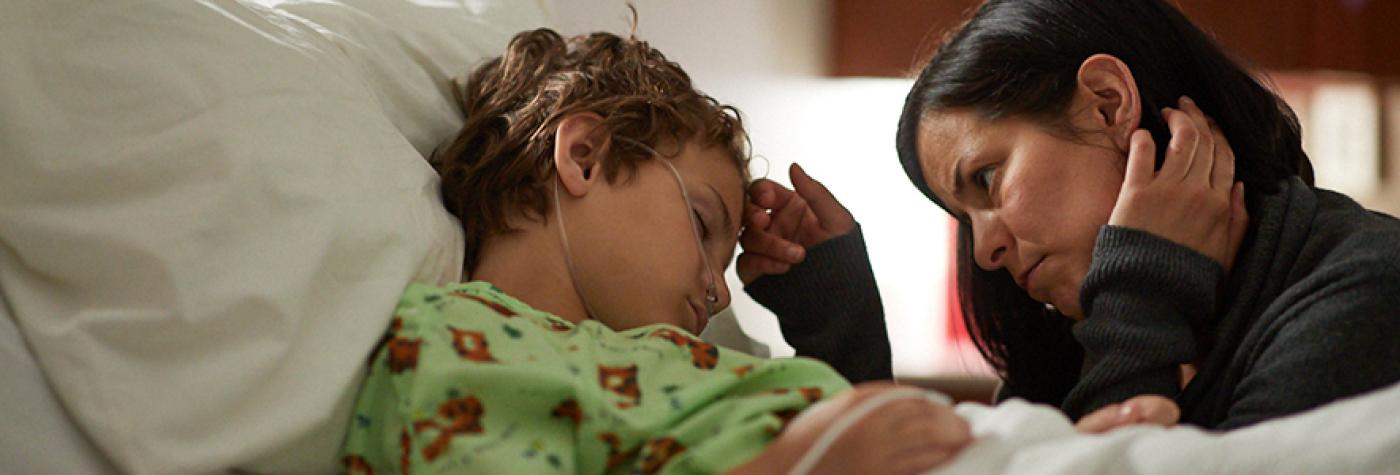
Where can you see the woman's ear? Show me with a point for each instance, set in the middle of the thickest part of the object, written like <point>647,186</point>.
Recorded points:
<point>1107,98</point>
<point>579,144</point>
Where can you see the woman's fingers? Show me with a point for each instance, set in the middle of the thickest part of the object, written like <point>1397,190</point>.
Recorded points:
<point>1104,419</point>
<point>1142,151</point>
<point>1189,200</point>
<point>1203,156</point>
<point>1239,225</point>
<point>1182,148</point>
<point>1222,176</point>
<point>1155,410</point>
<point>1147,409</point>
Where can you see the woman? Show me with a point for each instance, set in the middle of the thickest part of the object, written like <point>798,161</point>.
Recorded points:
<point>1106,250</point>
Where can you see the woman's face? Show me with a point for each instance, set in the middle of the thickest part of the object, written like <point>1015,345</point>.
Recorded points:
<point>1035,199</point>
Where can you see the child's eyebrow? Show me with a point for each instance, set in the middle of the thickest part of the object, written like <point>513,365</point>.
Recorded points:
<point>728,223</point>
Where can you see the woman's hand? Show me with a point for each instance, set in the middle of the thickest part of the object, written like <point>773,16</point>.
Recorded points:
<point>905,436</point>
<point>1141,410</point>
<point>1193,200</point>
<point>780,224</point>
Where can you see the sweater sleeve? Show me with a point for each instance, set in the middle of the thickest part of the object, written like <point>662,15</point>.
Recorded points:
<point>1141,298</point>
<point>829,308</point>
<point>1332,339</point>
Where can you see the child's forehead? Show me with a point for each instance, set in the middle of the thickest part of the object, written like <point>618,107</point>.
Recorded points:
<point>715,165</point>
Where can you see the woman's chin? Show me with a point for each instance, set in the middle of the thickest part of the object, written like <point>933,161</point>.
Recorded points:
<point>1073,312</point>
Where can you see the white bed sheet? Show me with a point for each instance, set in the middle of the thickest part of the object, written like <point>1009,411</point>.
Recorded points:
<point>1353,436</point>
<point>36,423</point>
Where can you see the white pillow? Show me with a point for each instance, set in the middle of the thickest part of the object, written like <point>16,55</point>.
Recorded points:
<point>209,208</point>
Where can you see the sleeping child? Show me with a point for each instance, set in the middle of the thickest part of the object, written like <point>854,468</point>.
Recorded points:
<point>600,195</point>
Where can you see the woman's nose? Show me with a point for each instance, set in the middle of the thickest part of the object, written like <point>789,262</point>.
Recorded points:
<point>991,241</point>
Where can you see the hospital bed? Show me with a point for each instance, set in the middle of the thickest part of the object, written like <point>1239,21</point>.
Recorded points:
<point>208,209</point>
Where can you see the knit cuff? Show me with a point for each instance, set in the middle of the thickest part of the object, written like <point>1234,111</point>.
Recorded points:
<point>836,275</point>
<point>1131,267</point>
<point>829,308</point>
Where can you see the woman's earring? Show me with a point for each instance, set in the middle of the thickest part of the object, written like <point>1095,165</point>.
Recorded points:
<point>1050,307</point>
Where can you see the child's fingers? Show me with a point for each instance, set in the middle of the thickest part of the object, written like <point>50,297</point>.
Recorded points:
<point>922,462</point>
<point>831,216</point>
<point>768,194</point>
<point>809,230</point>
<point>933,436</point>
<point>788,219</point>
<point>752,266</point>
<point>765,243</point>
<point>755,217</point>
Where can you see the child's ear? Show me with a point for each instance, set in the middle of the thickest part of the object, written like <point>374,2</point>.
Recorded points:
<point>579,144</point>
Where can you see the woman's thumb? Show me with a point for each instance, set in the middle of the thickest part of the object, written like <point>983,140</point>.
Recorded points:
<point>832,216</point>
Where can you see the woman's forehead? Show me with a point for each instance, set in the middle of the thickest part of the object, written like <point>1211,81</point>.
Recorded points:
<point>947,139</point>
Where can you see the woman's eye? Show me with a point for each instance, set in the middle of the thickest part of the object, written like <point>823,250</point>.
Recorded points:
<point>984,177</point>
<point>704,230</point>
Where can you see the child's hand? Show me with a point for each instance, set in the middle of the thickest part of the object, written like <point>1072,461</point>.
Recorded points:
<point>1148,409</point>
<point>780,224</point>
<point>906,436</point>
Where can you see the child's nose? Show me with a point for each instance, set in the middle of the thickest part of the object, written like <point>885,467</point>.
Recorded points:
<point>722,293</point>
<point>716,289</point>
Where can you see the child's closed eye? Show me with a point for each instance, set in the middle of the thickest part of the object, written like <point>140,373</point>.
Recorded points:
<point>700,220</point>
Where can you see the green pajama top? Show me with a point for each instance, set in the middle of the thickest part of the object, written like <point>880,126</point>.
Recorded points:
<point>470,380</point>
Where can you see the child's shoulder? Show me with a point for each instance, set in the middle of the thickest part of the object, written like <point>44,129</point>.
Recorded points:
<point>475,299</point>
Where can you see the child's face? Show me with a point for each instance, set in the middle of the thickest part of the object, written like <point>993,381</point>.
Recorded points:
<point>634,248</point>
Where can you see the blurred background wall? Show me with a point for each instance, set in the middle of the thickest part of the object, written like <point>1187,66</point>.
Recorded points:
<point>821,82</point>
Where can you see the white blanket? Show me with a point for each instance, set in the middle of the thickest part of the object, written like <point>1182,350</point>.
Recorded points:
<point>1357,435</point>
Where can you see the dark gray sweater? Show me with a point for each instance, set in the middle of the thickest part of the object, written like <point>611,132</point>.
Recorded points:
<point>829,308</point>
<point>1310,314</point>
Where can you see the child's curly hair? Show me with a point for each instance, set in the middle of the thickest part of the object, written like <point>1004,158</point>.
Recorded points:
<point>501,162</point>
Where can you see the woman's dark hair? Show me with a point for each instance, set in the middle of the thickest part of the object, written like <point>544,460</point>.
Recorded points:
<point>1020,59</point>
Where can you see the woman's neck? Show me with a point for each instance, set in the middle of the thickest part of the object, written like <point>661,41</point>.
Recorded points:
<point>529,265</point>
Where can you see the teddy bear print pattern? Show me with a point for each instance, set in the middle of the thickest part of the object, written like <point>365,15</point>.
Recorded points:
<point>471,380</point>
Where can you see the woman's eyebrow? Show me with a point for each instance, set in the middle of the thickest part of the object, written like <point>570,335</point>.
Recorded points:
<point>728,223</point>
<point>958,183</point>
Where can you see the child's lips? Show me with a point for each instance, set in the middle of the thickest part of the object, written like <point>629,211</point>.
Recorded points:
<point>700,318</point>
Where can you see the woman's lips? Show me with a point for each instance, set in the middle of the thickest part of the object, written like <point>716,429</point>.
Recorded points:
<point>1028,280</point>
